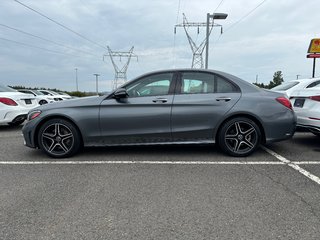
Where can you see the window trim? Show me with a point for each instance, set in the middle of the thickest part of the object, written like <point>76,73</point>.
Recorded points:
<point>215,75</point>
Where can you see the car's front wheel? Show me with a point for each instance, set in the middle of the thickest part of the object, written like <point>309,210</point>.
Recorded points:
<point>59,138</point>
<point>239,137</point>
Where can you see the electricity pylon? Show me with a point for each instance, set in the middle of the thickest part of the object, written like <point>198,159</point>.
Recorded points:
<point>197,51</point>
<point>120,72</point>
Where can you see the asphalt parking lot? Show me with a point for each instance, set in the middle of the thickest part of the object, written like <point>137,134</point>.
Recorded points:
<point>162,192</point>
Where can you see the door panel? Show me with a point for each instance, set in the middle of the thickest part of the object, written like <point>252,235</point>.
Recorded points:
<point>195,116</point>
<point>142,117</point>
<point>201,101</point>
<point>136,120</point>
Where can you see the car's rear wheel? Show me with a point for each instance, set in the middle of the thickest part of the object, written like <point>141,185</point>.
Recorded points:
<point>41,102</point>
<point>239,137</point>
<point>59,138</point>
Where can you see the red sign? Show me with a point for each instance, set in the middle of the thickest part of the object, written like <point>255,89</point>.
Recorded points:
<point>313,55</point>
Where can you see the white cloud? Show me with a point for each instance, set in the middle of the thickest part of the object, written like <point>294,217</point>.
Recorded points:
<point>274,37</point>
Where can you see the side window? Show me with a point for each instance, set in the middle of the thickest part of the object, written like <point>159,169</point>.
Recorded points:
<point>205,83</point>
<point>197,83</point>
<point>316,83</point>
<point>153,85</point>
<point>223,86</point>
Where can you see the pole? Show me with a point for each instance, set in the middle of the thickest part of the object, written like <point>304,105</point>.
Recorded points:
<point>207,41</point>
<point>257,76</point>
<point>314,68</point>
<point>97,75</point>
<point>77,79</point>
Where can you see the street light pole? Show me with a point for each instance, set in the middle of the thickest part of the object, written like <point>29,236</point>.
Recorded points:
<point>97,75</point>
<point>207,40</point>
<point>77,79</point>
<point>213,16</point>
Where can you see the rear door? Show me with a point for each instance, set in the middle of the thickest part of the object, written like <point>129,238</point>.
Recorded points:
<point>201,100</point>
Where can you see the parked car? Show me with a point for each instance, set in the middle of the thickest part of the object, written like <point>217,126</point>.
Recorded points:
<point>294,85</point>
<point>166,107</point>
<point>14,106</point>
<point>56,96</point>
<point>41,98</point>
<point>307,107</point>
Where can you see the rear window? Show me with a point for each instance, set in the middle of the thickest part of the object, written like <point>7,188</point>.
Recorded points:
<point>316,83</point>
<point>285,86</point>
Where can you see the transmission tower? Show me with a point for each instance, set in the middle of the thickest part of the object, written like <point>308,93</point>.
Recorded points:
<point>120,72</point>
<point>197,51</point>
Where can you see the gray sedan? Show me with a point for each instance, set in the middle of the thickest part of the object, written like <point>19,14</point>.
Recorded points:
<point>166,107</point>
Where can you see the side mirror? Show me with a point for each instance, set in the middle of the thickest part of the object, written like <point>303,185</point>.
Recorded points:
<point>120,93</point>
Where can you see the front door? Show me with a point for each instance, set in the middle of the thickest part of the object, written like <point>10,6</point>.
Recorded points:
<point>142,117</point>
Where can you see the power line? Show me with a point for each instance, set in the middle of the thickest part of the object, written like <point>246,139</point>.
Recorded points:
<point>47,40</point>
<point>246,15</point>
<point>60,24</point>
<point>218,5</point>
<point>29,45</point>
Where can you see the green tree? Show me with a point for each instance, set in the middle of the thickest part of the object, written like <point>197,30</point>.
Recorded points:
<point>277,79</point>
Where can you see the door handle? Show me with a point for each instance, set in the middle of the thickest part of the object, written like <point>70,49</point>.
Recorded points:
<point>226,99</point>
<point>160,100</point>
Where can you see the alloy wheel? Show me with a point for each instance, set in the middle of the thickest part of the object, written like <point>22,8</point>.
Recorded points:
<point>57,139</point>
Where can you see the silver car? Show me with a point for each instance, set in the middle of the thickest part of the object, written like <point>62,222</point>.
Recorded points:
<point>166,107</point>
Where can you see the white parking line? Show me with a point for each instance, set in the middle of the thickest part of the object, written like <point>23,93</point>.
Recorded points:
<point>284,162</point>
<point>293,165</point>
<point>138,162</point>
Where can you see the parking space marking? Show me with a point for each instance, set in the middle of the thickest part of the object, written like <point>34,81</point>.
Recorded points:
<point>156,162</point>
<point>292,165</point>
<point>139,162</point>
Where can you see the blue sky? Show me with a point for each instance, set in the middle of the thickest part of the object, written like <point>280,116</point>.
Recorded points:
<point>274,37</point>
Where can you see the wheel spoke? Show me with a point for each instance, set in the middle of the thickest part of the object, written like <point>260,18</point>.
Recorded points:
<point>63,146</point>
<point>52,146</point>
<point>48,136</point>
<point>238,128</point>
<point>249,131</point>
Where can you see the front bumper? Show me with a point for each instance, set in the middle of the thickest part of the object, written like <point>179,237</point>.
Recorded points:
<point>29,131</point>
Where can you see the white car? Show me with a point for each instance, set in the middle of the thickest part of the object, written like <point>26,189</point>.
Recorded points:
<point>14,106</point>
<point>56,96</point>
<point>41,98</point>
<point>294,85</point>
<point>306,104</point>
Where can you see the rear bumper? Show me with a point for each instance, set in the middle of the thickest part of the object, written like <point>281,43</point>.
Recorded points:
<point>14,115</point>
<point>283,129</point>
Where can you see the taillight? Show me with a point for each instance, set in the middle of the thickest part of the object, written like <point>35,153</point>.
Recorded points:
<point>285,102</point>
<point>315,98</point>
<point>8,101</point>
<point>34,114</point>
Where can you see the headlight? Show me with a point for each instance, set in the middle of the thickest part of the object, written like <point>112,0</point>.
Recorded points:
<point>33,114</point>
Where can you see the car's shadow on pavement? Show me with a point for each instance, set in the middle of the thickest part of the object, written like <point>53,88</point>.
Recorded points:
<point>307,139</point>
<point>7,128</point>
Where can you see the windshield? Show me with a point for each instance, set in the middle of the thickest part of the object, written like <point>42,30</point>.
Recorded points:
<point>6,89</point>
<point>285,86</point>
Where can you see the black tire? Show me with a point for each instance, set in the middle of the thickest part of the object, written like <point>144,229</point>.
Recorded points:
<point>59,138</point>
<point>16,123</point>
<point>41,102</point>
<point>239,137</point>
